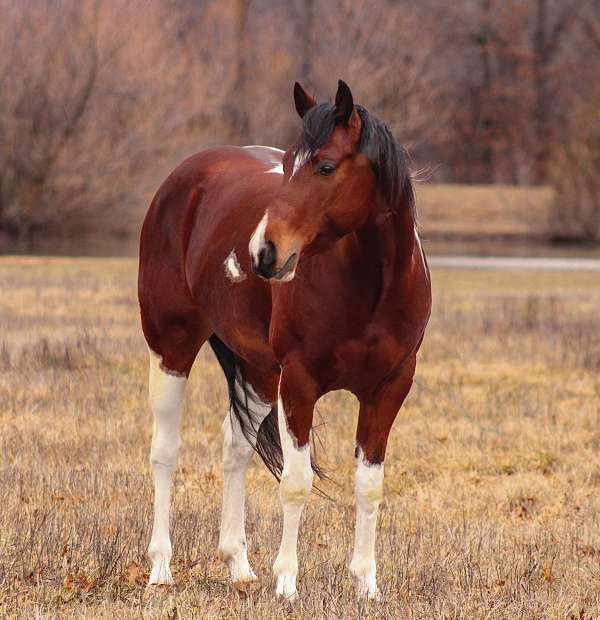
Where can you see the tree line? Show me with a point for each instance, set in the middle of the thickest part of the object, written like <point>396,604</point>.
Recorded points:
<point>100,98</point>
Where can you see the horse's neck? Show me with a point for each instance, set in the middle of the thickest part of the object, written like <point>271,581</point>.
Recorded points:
<point>392,238</point>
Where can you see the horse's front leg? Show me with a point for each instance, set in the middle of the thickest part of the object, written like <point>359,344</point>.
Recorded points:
<point>296,400</point>
<point>375,421</point>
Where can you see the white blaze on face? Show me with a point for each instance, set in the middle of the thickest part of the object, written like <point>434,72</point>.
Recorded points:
<point>232,268</point>
<point>257,241</point>
<point>299,161</point>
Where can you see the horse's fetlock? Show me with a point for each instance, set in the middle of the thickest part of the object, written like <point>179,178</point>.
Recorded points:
<point>285,564</point>
<point>362,567</point>
<point>160,550</point>
<point>231,548</point>
<point>165,452</point>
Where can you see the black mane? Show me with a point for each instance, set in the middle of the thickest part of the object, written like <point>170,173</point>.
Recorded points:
<point>389,159</point>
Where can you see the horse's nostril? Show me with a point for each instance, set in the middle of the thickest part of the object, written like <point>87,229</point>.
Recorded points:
<point>267,254</point>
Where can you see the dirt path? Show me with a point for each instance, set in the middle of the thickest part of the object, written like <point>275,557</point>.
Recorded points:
<point>515,263</point>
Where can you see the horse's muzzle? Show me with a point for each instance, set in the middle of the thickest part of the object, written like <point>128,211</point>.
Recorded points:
<point>266,264</point>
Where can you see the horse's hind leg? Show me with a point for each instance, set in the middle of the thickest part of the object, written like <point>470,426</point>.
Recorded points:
<point>171,358</point>
<point>166,400</point>
<point>375,421</point>
<point>237,454</point>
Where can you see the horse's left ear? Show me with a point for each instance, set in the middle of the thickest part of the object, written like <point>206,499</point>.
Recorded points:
<point>344,103</point>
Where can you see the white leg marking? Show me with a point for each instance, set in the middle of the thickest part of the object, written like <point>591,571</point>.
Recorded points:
<point>237,453</point>
<point>258,238</point>
<point>369,493</point>
<point>294,489</point>
<point>166,399</point>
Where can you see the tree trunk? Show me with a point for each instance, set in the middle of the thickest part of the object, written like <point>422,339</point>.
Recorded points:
<point>540,111</point>
<point>238,100</point>
<point>307,43</point>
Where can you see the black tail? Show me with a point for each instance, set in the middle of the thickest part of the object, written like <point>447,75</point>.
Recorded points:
<point>268,445</point>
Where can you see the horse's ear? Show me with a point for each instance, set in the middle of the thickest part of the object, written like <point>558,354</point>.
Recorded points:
<point>304,102</point>
<point>344,103</point>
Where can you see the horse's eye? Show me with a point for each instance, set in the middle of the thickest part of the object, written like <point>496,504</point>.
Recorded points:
<point>326,169</point>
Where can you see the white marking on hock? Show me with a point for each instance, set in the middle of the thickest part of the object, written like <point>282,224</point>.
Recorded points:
<point>232,268</point>
<point>237,454</point>
<point>257,240</point>
<point>369,493</point>
<point>277,169</point>
<point>294,489</point>
<point>166,398</point>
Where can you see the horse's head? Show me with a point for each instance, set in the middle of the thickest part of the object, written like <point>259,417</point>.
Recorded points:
<point>331,178</point>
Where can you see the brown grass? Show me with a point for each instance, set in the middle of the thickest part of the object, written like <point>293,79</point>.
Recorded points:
<point>492,475</point>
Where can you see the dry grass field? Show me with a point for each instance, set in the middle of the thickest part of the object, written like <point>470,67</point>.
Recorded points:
<point>492,505</point>
<point>491,211</point>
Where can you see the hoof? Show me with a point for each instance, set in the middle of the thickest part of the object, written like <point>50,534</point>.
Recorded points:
<point>366,589</point>
<point>161,576</point>
<point>247,584</point>
<point>240,572</point>
<point>285,587</point>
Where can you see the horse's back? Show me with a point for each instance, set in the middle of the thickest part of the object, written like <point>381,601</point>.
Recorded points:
<point>211,170</point>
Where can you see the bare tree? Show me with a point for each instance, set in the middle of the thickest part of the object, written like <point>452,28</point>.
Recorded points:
<point>100,98</point>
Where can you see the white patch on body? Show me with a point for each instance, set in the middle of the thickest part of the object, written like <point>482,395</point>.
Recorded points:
<point>166,391</point>
<point>277,169</point>
<point>277,155</point>
<point>294,489</point>
<point>237,453</point>
<point>262,146</point>
<point>232,268</point>
<point>369,493</point>
<point>257,240</point>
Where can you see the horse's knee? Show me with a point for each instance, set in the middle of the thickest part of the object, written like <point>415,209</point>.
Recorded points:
<point>165,450</point>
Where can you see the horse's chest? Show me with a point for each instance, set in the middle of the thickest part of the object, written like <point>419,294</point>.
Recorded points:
<point>359,363</point>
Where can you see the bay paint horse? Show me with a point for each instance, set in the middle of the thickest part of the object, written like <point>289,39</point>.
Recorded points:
<point>305,273</point>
